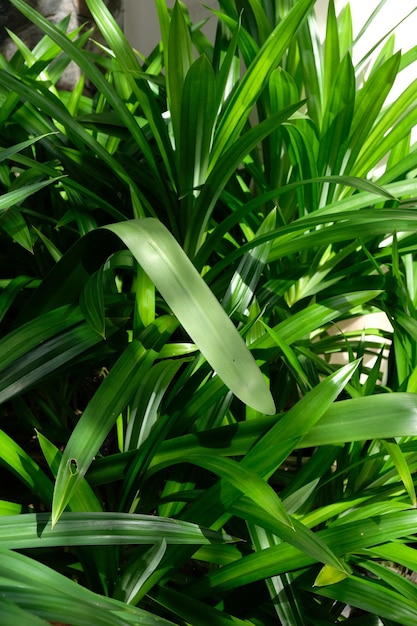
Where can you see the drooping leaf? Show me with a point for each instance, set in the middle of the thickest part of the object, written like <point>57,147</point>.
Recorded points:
<point>98,528</point>
<point>196,308</point>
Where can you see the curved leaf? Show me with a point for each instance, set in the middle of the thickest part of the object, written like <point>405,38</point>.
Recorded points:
<point>34,530</point>
<point>196,308</point>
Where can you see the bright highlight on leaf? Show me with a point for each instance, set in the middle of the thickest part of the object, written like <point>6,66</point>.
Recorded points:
<point>267,169</point>
<point>329,575</point>
<point>196,308</point>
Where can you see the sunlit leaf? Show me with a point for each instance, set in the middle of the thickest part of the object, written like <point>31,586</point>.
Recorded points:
<point>197,309</point>
<point>329,576</point>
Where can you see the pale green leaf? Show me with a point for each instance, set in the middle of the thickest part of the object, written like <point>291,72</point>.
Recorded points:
<point>329,575</point>
<point>196,308</point>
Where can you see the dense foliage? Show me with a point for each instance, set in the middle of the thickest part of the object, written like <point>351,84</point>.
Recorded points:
<point>191,430</point>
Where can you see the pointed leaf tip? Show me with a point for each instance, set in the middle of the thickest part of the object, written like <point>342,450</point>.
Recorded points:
<point>330,575</point>
<point>196,308</point>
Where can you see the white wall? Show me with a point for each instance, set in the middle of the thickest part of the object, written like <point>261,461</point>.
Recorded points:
<point>141,24</point>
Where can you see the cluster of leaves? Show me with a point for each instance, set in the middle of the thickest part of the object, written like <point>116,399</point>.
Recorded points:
<point>183,238</point>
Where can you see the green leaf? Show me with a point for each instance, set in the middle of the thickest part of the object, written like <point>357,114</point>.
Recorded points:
<point>11,291</point>
<point>178,60</point>
<point>365,418</point>
<point>26,337</point>
<point>400,462</point>
<point>52,249</point>
<point>329,575</point>
<point>369,101</point>
<point>331,53</point>
<point>144,409</point>
<point>19,195</point>
<point>129,65</point>
<point>343,539</point>
<point>395,123</point>
<point>337,119</point>
<point>289,355</point>
<point>44,359</point>
<point>374,597</point>
<point>84,499</point>
<point>229,68</point>
<point>396,552</point>
<point>222,171</point>
<point>34,530</point>
<point>196,308</point>
<point>242,287</point>
<point>270,451</point>
<point>129,587</point>
<point>144,300</point>
<point>7,153</point>
<point>48,103</point>
<point>267,455</point>
<point>192,611</point>
<point>16,460</point>
<point>284,596</point>
<point>9,508</point>
<point>198,113</point>
<point>34,586</point>
<point>311,60</point>
<point>13,223</point>
<point>11,613</point>
<point>92,303</point>
<point>108,402</point>
<point>256,77</point>
<point>246,481</point>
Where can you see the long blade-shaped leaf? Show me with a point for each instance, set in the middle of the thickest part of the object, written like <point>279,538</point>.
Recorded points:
<point>374,597</point>
<point>192,611</point>
<point>256,77</point>
<point>364,418</point>
<point>11,613</point>
<point>24,467</point>
<point>284,596</point>
<point>401,465</point>
<point>101,413</point>
<point>269,452</point>
<point>130,65</point>
<point>129,587</point>
<point>7,153</point>
<point>196,308</point>
<point>26,576</point>
<point>345,538</point>
<point>18,195</point>
<point>84,499</point>
<point>246,481</point>
<point>178,60</point>
<point>96,528</point>
<point>96,76</point>
<point>198,110</point>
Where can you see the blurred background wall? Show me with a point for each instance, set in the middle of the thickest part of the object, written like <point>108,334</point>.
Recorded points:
<point>141,25</point>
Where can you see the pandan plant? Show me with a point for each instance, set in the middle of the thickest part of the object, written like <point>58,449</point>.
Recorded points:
<point>184,236</point>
